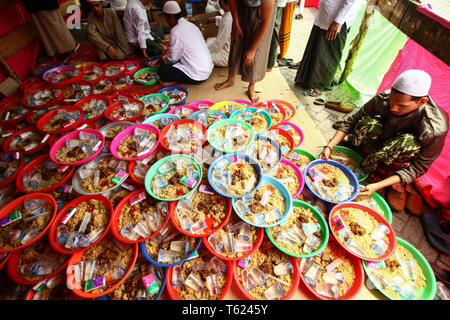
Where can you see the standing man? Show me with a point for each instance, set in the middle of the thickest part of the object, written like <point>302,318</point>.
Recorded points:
<point>326,42</point>
<point>137,29</point>
<point>188,59</point>
<point>105,32</point>
<point>253,22</point>
<point>399,134</point>
<point>52,28</point>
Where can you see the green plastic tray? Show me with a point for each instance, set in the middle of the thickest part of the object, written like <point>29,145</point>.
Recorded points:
<point>429,291</point>
<point>154,170</point>
<point>323,229</point>
<point>154,69</point>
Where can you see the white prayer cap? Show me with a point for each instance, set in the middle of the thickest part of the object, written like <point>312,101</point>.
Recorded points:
<point>414,82</point>
<point>171,7</point>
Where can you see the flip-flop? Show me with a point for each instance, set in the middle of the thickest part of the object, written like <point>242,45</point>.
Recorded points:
<point>312,92</point>
<point>434,234</point>
<point>319,101</point>
<point>283,62</point>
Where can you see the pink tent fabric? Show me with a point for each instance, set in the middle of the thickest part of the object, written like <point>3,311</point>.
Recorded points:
<point>23,61</point>
<point>434,184</point>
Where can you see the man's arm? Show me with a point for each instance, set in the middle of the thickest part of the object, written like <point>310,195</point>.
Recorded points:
<point>266,11</point>
<point>120,35</point>
<point>339,20</point>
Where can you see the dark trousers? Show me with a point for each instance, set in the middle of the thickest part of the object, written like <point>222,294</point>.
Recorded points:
<point>169,73</point>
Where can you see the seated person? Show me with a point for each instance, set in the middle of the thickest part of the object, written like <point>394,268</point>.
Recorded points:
<point>137,29</point>
<point>399,134</point>
<point>219,46</point>
<point>188,59</point>
<point>105,32</point>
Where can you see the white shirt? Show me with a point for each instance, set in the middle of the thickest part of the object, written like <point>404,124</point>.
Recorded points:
<point>212,6</point>
<point>341,11</point>
<point>117,4</point>
<point>219,47</point>
<point>135,22</point>
<point>188,52</point>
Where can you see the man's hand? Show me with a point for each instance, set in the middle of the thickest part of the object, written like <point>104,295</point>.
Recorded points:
<point>249,57</point>
<point>369,189</point>
<point>332,31</point>
<point>325,154</point>
<point>113,53</point>
<point>144,53</point>
<point>236,32</point>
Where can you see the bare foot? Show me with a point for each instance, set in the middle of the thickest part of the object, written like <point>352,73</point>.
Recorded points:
<point>223,85</point>
<point>166,84</point>
<point>269,69</point>
<point>254,98</point>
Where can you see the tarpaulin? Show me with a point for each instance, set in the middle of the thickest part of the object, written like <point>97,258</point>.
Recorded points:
<point>435,183</point>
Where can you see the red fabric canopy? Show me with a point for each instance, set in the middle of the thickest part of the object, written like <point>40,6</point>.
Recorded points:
<point>434,184</point>
<point>23,61</point>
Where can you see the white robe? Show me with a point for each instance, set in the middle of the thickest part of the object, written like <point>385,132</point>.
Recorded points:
<point>219,46</point>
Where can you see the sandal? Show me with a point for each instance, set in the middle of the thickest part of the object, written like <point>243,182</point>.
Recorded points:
<point>434,234</point>
<point>339,106</point>
<point>319,101</point>
<point>312,92</point>
<point>283,62</point>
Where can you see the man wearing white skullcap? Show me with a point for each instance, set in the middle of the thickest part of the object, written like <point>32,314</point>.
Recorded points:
<point>188,59</point>
<point>399,134</point>
<point>105,32</point>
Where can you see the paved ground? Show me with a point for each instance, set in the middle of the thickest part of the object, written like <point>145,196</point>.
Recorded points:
<point>406,226</point>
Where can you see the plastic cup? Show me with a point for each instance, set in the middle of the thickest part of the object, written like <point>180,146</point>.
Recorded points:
<point>244,255</point>
<point>10,104</point>
<point>76,180</point>
<point>15,174</point>
<point>154,170</point>
<point>135,65</point>
<point>286,135</point>
<point>230,122</point>
<point>323,229</point>
<point>429,291</point>
<point>289,109</point>
<point>29,168</point>
<point>88,99</point>
<point>174,109</point>
<point>162,96</point>
<point>73,135</point>
<point>113,106</point>
<point>357,284</point>
<point>235,115</point>
<point>209,221</point>
<point>277,148</point>
<point>123,69</point>
<point>13,262</point>
<point>8,208</point>
<point>287,199</point>
<point>71,279</point>
<point>40,146</point>
<point>170,88</point>
<point>352,153</point>
<point>128,131</point>
<point>141,71</point>
<point>155,262</point>
<point>379,218</point>
<point>289,293</point>
<point>176,123</point>
<point>49,115</point>
<point>116,215</point>
<point>226,288</point>
<point>75,202</point>
<point>348,173</point>
<point>241,156</point>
